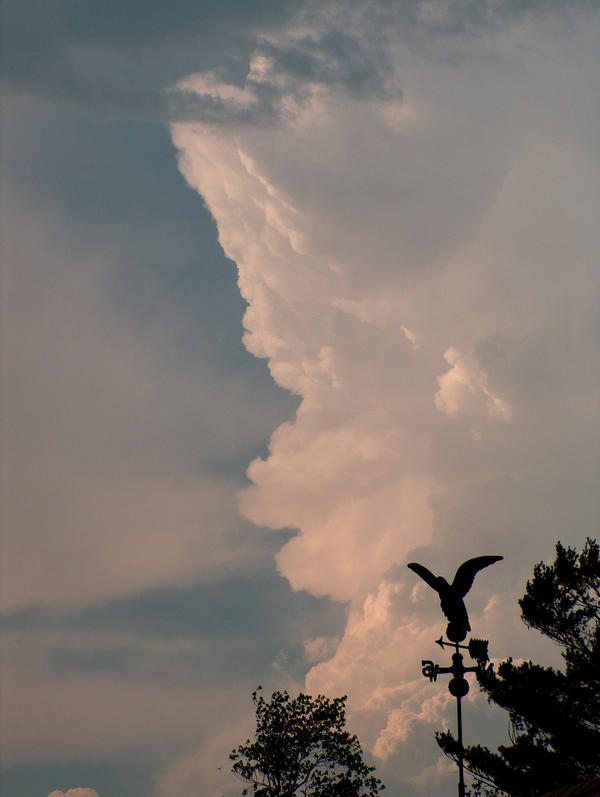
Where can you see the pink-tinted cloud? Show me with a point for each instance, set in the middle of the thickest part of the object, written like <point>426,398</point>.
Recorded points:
<point>76,792</point>
<point>471,224</point>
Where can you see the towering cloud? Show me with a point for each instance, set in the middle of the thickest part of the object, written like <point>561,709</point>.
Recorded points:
<point>417,254</point>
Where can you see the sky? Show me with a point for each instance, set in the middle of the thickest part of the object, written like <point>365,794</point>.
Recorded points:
<point>294,293</point>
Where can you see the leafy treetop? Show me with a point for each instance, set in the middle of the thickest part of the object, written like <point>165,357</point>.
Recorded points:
<point>554,714</point>
<point>301,747</point>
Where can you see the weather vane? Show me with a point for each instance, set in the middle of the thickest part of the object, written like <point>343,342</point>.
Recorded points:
<point>453,606</point>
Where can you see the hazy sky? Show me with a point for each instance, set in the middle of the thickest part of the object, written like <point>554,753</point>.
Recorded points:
<point>293,293</point>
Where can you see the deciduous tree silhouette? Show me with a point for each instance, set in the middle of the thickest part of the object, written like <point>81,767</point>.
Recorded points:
<point>554,715</point>
<point>301,747</point>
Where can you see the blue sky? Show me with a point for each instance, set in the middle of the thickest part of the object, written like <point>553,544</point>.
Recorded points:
<point>294,293</point>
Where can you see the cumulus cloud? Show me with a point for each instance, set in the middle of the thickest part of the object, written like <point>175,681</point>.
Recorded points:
<point>77,792</point>
<point>409,191</point>
<point>421,274</point>
<point>432,775</point>
<point>464,385</point>
<point>320,648</point>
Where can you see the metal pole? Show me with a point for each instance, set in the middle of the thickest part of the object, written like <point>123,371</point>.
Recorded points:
<point>461,773</point>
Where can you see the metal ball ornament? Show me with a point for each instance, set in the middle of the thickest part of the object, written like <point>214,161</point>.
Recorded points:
<point>458,687</point>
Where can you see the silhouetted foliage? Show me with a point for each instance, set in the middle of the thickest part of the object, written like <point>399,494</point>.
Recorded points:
<point>554,715</point>
<point>301,748</point>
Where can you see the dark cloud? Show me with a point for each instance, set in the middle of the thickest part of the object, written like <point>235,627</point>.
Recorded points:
<point>116,186</point>
<point>107,777</point>
<point>334,59</point>
<point>119,59</point>
<point>243,605</point>
<point>125,238</point>
<point>238,627</point>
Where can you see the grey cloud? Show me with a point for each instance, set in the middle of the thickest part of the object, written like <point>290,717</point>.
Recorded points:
<point>198,652</point>
<point>247,605</point>
<point>211,632</point>
<point>108,777</point>
<point>189,106</point>
<point>118,60</point>
<point>334,59</point>
<point>337,62</point>
<point>111,423</point>
<point>348,52</point>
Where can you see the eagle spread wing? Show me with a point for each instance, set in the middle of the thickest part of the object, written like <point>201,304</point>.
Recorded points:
<point>465,575</point>
<point>425,574</point>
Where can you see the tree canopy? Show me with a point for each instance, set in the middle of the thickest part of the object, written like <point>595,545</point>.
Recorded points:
<point>301,747</point>
<point>554,714</point>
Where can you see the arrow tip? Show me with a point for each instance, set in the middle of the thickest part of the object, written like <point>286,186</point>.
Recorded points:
<point>440,642</point>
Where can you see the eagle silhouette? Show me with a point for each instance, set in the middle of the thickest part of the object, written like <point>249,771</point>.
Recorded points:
<point>451,595</point>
